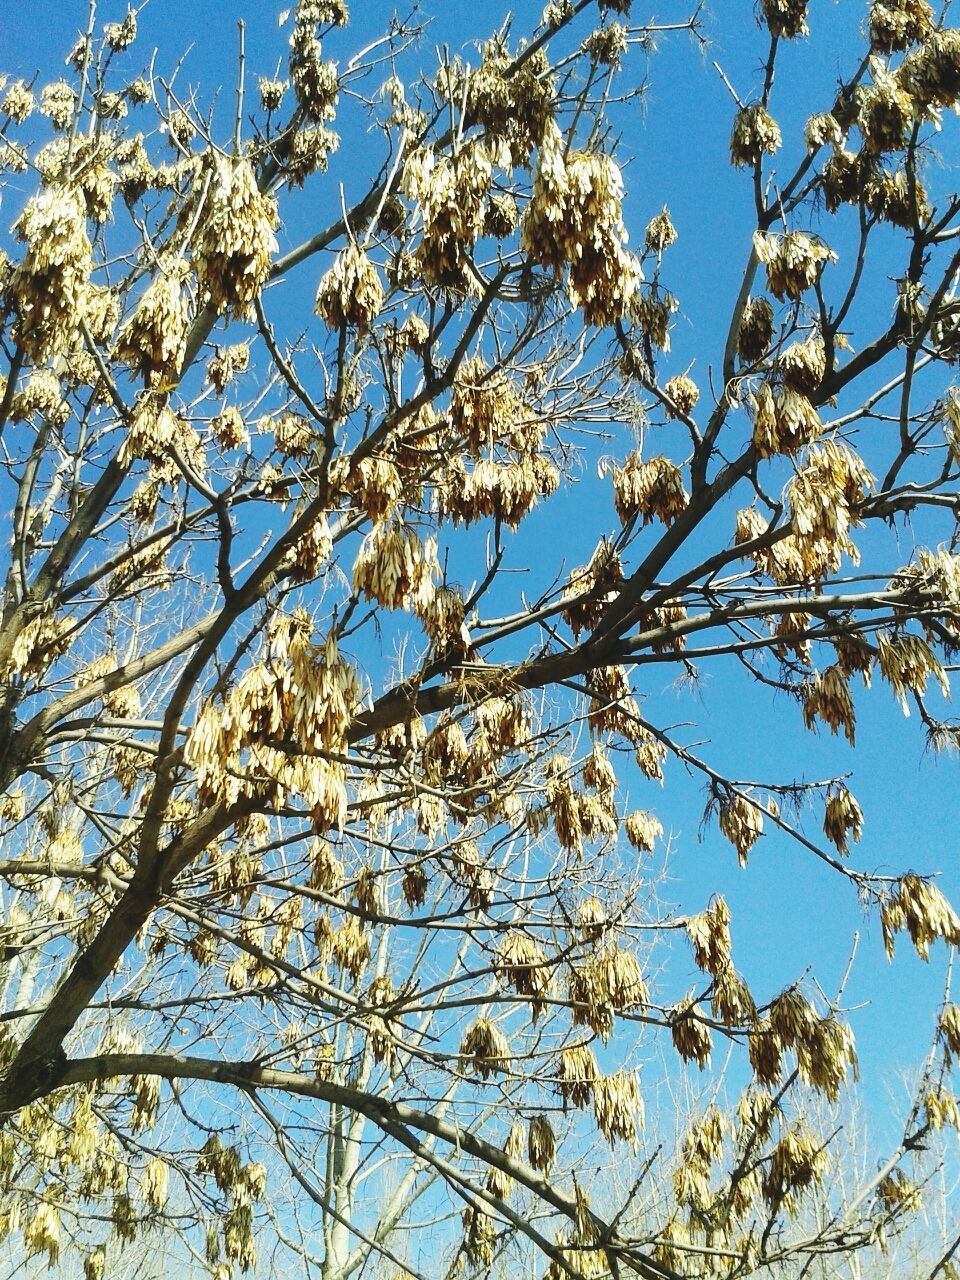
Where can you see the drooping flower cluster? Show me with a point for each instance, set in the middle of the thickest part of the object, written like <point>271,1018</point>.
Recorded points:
<point>154,339</point>
<point>755,134</point>
<point>235,241</point>
<point>49,285</point>
<point>452,194</point>
<point>351,292</point>
<point>793,261</point>
<point>574,220</point>
<point>652,489</point>
<point>825,497</point>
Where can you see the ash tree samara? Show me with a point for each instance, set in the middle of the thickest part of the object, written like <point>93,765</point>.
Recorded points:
<point>355,515</point>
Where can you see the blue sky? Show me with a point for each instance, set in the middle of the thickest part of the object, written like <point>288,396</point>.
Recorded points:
<point>790,912</point>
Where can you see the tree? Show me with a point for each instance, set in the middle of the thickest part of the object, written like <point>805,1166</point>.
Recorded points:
<point>325,916</point>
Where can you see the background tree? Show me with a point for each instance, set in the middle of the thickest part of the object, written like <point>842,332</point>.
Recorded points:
<point>327,916</point>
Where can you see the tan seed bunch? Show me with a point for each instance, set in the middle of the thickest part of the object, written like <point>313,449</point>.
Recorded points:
<point>803,364</point>
<point>512,108</point>
<point>377,485</point>
<point>58,103</point>
<point>897,199</point>
<point>598,772</point>
<point>501,217</point>
<point>334,13</point>
<point>351,293</point>
<point>574,219</point>
<point>948,1031</point>
<point>235,241</point>
<point>643,830</point>
<point>41,1233</point>
<point>609,981</point>
<point>660,233</point>
<point>315,81</point>
<point>828,699</point>
<point>650,753</point>
<point>541,1144</point>
<point>155,1183</point>
<point>897,1193</point>
<point>522,964</point>
<point>485,1049</point>
<point>483,405</point>
<point>732,1002</point>
<point>564,804</point>
<point>230,429</point>
<point>18,102</point>
<point>825,497</point>
<point>790,631</point>
<point>446,749</point>
<point>309,152</point>
<point>941,1110</point>
<point>470,870</point>
<point>652,489</point>
<point>886,112</point>
<point>95,1264</point>
<point>153,341</point>
<point>509,491</point>
<point>271,93</point>
<point>691,1038</point>
<point>906,662</point>
<point>618,1107</point>
<point>842,817</point>
<point>591,587</point>
<point>13,806</point>
<point>592,919</point>
<point>755,134</point>
<point>41,641</point>
<point>607,45</point>
<point>797,1163</point>
<point>154,429</point>
<point>404,739</point>
<point>793,261</point>
<point>479,1235</point>
<point>897,24</point>
<point>40,395</point>
<point>395,568</point>
<point>919,907</point>
<point>709,933</point>
<point>652,312</point>
<point>121,35</point>
<point>842,179</point>
<point>756,330</point>
<point>577,1071</point>
<point>226,364</point>
<point>854,657</point>
<point>294,435</point>
<point>931,73</point>
<point>786,18</point>
<point>414,884</point>
<point>741,821</point>
<point>326,869</point>
<point>49,286</point>
<point>350,947</point>
<point>444,620</point>
<point>684,393</point>
<point>826,1056</point>
<point>822,130</point>
<point>581,1258</point>
<point>784,421</point>
<point>452,198</point>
